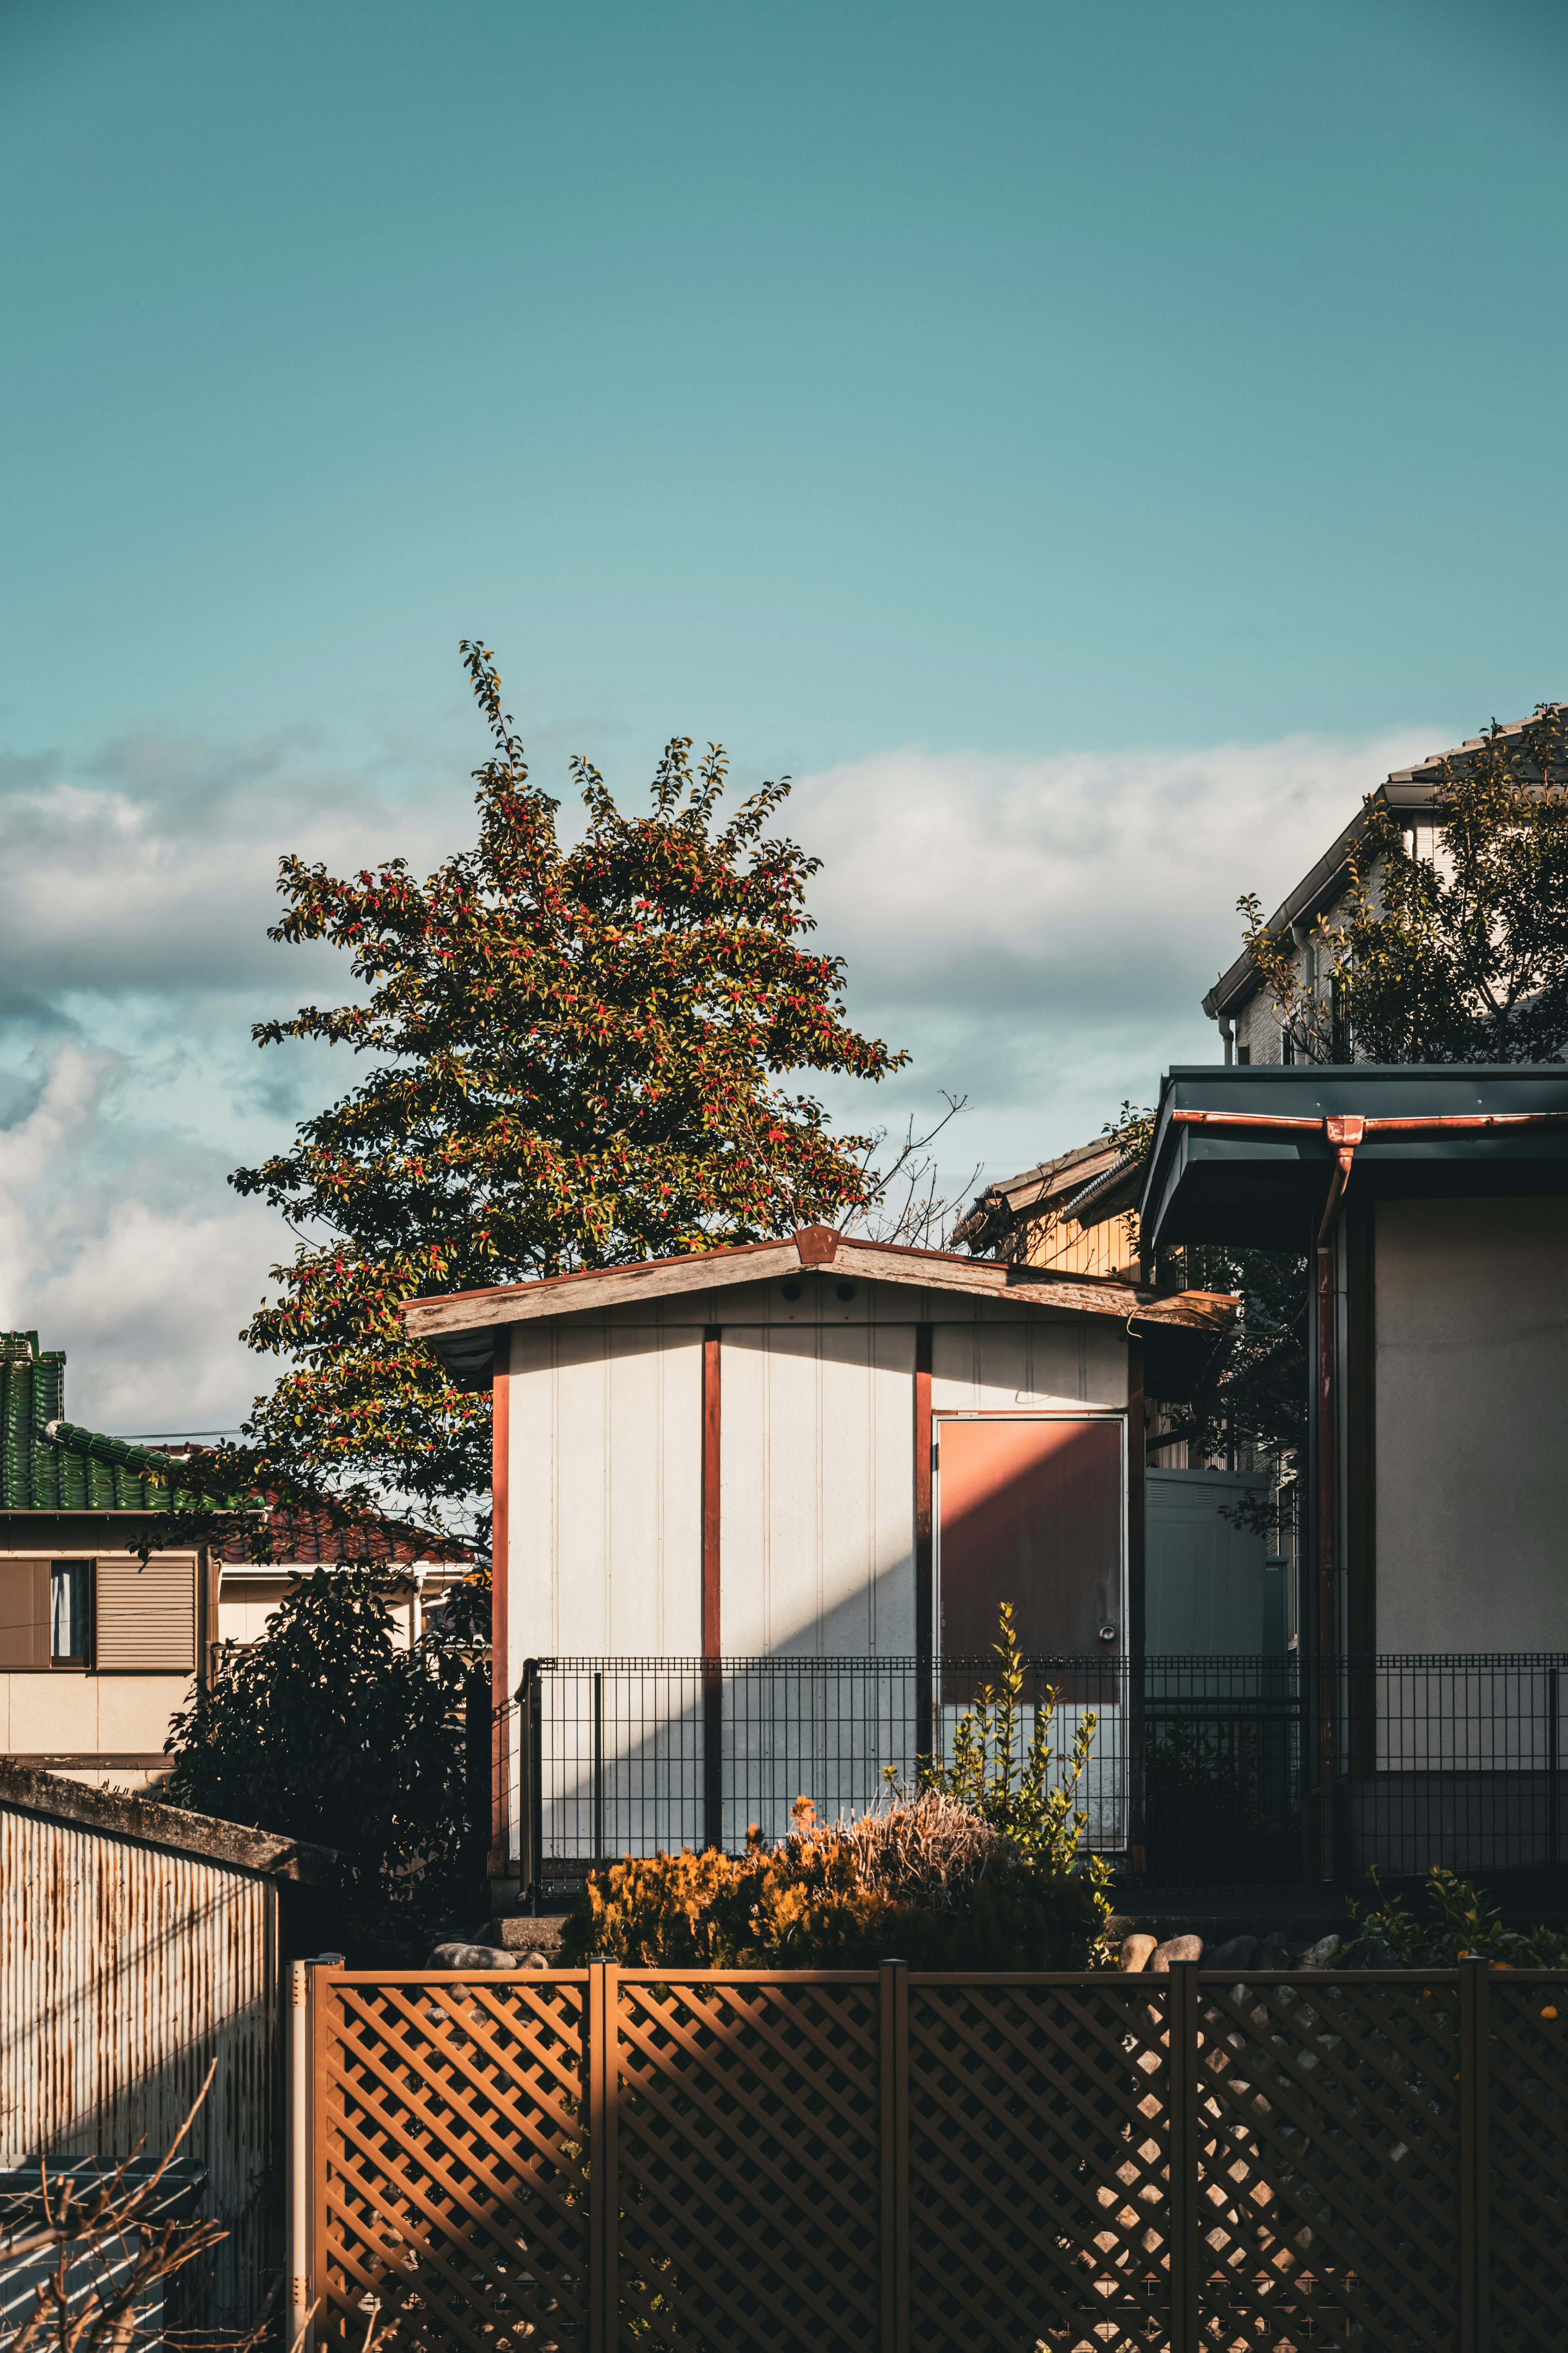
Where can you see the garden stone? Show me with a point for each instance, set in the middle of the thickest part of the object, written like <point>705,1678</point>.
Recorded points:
<point>1176,1948</point>
<point>473,1957</point>
<point>1136,1949</point>
<point>1237,1955</point>
<point>1321,1956</point>
<point>1272,1953</point>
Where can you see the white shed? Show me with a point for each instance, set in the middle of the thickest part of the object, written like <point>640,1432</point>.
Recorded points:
<point>816,1450</point>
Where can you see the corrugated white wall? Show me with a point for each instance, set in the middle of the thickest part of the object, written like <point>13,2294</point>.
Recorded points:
<point>605,1493</point>
<point>817,1491</point>
<point>124,1972</point>
<point>816,1543</point>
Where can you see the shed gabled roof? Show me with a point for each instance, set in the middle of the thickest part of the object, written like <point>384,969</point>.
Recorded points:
<point>459,1328</point>
<point>1411,790</point>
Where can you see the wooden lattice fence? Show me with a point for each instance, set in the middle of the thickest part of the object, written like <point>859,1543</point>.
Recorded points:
<point>748,2163</point>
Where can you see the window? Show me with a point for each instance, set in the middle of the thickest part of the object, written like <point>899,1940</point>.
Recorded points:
<point>69,1590</point>
<point>1244,1055</point>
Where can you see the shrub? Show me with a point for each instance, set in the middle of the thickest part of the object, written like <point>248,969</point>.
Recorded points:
<point>1459,1920</point>
<point>920,1878</point>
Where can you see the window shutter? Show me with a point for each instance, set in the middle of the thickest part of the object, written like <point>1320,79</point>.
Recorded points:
<point>146,1616</point>
<point>24,1613</point>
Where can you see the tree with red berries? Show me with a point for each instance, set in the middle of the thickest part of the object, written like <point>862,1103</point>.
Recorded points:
<point>577,1057</point>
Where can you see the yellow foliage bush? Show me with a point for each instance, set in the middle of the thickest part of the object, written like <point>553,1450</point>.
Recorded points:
<point>924,1879</point>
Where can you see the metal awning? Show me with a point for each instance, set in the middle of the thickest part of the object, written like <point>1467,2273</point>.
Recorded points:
<point>1248,1154</point>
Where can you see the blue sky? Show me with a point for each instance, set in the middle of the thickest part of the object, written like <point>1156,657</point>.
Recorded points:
<point>1085,445</point>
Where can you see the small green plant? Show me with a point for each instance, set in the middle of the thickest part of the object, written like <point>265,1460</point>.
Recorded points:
<point>1004,1778</point>
<point>1460,1922</point>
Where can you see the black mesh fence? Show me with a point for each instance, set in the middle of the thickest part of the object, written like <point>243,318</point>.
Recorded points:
<point>1201,1770</point>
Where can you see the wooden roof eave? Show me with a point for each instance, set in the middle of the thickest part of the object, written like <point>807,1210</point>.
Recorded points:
<point>447,1321</point>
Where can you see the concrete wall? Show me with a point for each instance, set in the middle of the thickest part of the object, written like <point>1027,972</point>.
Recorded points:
<point>1471,1338</point>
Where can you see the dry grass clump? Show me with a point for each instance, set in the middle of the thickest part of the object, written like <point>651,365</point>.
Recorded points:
<point>923,1848</point>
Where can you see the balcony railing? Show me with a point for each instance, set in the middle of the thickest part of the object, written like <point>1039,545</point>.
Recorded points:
<point>1203,1770</point>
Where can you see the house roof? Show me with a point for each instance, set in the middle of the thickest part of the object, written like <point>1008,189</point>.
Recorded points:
<point>1410,791</point>
<point>1244,1155</point>
<point>312,1537</point>
<point>49,1464</point>
<point>23,1790</point>
<point>1071,1183</point>
<point>459,1328</point>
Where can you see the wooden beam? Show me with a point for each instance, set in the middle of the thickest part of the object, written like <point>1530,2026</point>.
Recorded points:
<point>501,1582</point>
<point>713,1616</point>
<point>925,1631</point>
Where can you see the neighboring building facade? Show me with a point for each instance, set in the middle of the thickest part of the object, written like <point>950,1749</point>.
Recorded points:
<point>1434,1596</point>
<point>1440,1347</point>
<point>98,1649</point>
<point>1249,1023</point>
<point>1069,1215</point>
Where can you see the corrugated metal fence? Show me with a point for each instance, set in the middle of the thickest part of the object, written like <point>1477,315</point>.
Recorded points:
<point>124,1971</point>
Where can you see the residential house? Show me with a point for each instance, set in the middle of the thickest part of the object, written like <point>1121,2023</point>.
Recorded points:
<point>1434,1593</point>
<point>806,1454</point>
<point>1249,1023</point>
<point>98,1648</point>
<point>1068,1215</point>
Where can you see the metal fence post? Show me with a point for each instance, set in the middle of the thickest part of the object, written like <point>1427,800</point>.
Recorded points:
<point>894,2072</point>
<point>1554,1800</point>
<point>297,2261</point>
<point>1182,2044</point>
<point>600,1849</point>
<point>604,2187</point>
<point>1475,2157</point>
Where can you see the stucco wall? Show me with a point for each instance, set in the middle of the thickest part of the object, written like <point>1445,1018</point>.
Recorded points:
<point>1471,1338</point>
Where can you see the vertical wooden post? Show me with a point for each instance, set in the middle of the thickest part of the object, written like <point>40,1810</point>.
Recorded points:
<point>1475,2157</point>
<point>604,2190</point>
<point>713,1621</point>
<point>894,2070</point>
<point>323,2016</point>
<point>1181,2042</point>
<point>297,2261</point>
<point>925,1628</point>
<point>500,1693</point>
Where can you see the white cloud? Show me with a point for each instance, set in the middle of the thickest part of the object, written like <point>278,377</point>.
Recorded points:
<point>1039,933</point>
<point>142,1267</point>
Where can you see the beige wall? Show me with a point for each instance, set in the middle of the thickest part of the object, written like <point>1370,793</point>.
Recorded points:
<point>1471,1381</point>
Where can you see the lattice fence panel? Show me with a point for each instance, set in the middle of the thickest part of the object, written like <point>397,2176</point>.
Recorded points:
<point>1329,2173</point>
<point>451,2173</point>
<point>1040,2161</point>
<point>750,2156</point>
<point>1528,2161</point>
